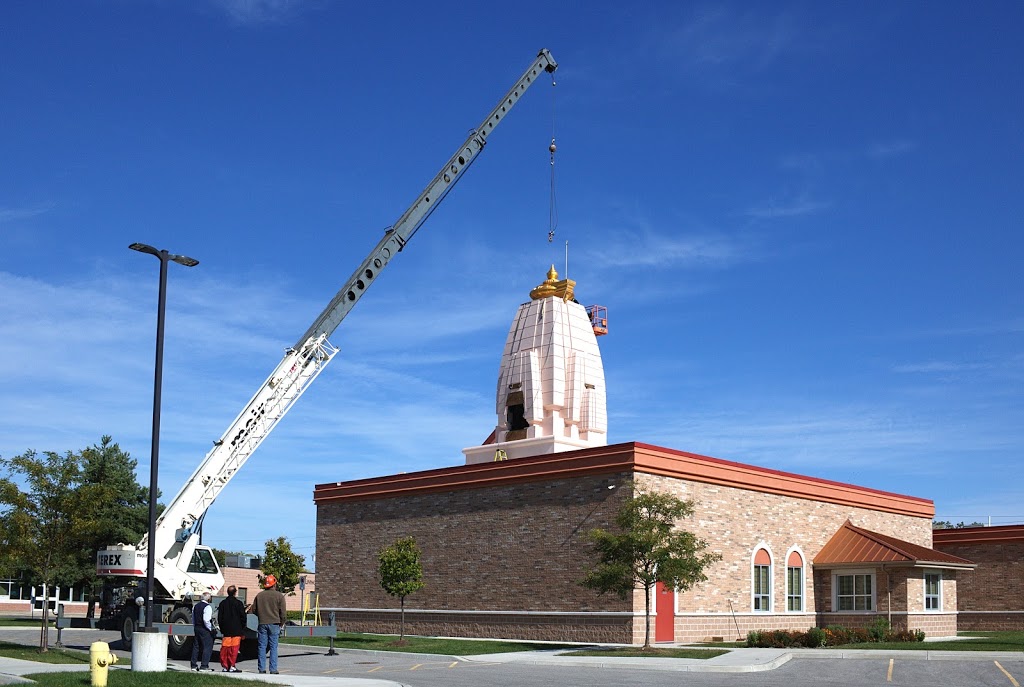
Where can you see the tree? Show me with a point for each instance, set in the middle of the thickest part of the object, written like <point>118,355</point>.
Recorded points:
<point>648,548</point>
<point>116,506</point>
<point>401,572</point>
<point>41,526</point>
<point>280,561</point>
<point>947,525</point>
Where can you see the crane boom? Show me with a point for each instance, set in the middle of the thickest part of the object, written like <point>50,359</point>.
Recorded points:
<point>407,225</point>
<point>301,364</point>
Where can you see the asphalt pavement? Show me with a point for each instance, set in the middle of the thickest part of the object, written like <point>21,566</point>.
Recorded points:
<point>308,666</point>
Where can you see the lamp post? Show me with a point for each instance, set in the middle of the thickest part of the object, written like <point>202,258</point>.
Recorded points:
<point>164,257</point>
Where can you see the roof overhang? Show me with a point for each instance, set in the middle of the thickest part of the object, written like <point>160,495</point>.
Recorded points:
<point>854,547</point>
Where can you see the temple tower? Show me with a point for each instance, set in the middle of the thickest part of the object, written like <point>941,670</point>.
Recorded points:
<point>551,394</point>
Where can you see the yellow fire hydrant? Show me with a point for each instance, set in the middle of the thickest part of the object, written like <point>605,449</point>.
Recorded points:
<point>100,659</point>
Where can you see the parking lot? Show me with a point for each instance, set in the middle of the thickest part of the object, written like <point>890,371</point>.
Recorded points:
<point>537,669</point>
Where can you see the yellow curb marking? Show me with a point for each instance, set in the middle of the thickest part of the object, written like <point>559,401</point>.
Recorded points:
<point>1012,681</point>
<point>888,676</point>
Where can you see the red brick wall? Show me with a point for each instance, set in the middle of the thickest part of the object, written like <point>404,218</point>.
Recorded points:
<point>509,548</point>
<point>246,579</point>
<point>501,550</point>
<point>992,596</point>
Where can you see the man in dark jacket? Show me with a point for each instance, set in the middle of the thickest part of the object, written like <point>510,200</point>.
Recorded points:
<point>202,643</point>
<point>231,619</point>
<point>270,607</point>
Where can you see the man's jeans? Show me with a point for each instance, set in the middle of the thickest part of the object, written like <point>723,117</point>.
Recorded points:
<point>267,634</point>
<point>202,647</point>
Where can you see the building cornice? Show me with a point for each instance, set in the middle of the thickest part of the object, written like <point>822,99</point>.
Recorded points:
<point>998,534</point>
<point>624,458</point>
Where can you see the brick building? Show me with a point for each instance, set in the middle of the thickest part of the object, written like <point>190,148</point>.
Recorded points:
<point>503,537</point>
<point>992,597</point>
<point>247,581</point>
<point>504,548</point>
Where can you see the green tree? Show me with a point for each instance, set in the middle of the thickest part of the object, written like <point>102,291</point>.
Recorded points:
<point>115,506</point>
<point>401,572</point>
<point>280,561</point>
<point>41,524</point>
<point>648,548</point>
<point>947,525</point>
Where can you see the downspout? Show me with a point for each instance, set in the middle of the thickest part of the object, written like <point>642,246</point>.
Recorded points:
<point>888,592</point>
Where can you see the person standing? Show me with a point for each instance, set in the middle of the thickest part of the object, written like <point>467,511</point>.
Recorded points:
<point>270,608</point>
<point>202,643</point>
<point>231,620</point>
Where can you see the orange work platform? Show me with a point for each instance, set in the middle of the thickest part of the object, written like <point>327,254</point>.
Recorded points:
<point>598,319</point>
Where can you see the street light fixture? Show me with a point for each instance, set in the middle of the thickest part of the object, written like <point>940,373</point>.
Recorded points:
<point>164,257</point>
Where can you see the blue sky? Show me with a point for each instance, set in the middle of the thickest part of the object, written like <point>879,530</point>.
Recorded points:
<point>804,219</point>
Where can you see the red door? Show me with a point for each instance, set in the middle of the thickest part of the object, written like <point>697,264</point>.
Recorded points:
<point>665,607</point>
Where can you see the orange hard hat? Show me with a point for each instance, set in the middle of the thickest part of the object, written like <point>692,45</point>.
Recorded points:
<point>269,581</point>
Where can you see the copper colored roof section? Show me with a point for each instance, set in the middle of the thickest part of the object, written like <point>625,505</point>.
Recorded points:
<point>625,458</point>
<point>855,546</point>
<point>998,534</point>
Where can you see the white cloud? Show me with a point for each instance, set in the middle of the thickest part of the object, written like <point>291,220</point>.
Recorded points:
<point>250,12</point>
<point>14,214</point>
<point>890,149</point>
<point>716,36</point>
<point>783,209</point>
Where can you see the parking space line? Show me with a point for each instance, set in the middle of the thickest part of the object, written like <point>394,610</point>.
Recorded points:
<point>374,670</point>
<point>1012,681</point>
<point>454,663</point>
<point>419,664</point>
<point>888,676</point>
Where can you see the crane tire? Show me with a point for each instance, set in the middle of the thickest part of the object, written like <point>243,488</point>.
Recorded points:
<point>127,630</point>
<point>179,647</point>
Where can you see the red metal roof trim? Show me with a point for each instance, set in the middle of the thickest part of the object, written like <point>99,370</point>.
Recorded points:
<point>629,457</point>
<point>852,545</point>
<point>978,535</point>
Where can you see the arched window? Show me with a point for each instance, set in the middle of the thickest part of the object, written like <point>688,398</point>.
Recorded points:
<point>762,581</point>
<point>794,581</point>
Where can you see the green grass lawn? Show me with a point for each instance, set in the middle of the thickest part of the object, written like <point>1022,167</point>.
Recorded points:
<point>985,641</point>
<point>24,622</point>
<point>126,678</point>
<point>654,652</point>
<point>31,653</point>
<point>423,645</point>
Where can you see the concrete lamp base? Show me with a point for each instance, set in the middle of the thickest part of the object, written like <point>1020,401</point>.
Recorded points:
<point>149,652</point>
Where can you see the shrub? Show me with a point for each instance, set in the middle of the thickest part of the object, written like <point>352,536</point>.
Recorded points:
<point>815,638</point>
<point>902,636</point>
<point>879,630</point>
<point>833,635</point>
<point>836,635</point>
<point>859,635</point>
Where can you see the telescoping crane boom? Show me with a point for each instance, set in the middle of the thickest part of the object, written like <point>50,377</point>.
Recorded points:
<point>183,568</point>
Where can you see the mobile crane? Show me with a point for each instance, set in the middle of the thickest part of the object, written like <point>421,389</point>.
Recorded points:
<point>183,567</point>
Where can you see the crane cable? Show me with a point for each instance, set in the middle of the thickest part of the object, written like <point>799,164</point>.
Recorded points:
<point>552,205</point>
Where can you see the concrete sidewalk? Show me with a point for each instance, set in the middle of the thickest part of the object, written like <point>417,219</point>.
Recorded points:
<point>740,660</point>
